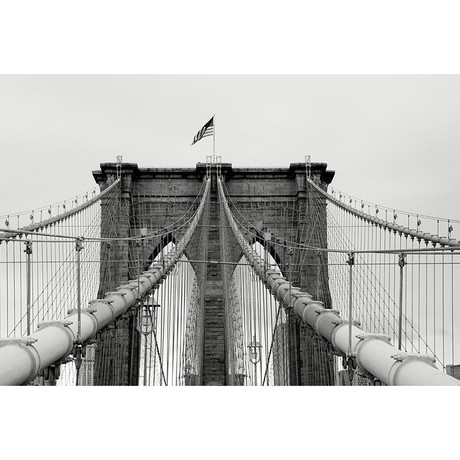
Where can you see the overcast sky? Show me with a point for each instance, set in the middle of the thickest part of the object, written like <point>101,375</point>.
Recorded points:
<point>392,140</point>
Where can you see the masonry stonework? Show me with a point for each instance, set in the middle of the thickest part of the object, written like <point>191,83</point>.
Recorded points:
<point>277,200</point>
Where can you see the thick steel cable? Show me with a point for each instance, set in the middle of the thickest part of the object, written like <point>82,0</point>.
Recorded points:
<point>362,341</point>
<point>171,260</point>
<point>427,237</point>
<point>62,216</point>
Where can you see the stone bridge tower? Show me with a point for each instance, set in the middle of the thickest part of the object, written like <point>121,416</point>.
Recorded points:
<point>277,200</point>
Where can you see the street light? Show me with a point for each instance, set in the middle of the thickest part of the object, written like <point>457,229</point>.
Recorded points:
<point>254,356</point>
<point>146,325</point>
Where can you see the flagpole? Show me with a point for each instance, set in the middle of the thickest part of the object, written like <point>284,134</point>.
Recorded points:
<point>214,139</point>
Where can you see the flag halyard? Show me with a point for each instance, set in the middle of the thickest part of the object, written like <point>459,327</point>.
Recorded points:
<point>205,131</point>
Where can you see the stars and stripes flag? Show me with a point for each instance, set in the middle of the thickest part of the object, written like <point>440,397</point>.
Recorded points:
<point>205,131</point>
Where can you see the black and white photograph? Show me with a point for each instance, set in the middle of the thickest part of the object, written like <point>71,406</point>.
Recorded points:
<point>171,220</point>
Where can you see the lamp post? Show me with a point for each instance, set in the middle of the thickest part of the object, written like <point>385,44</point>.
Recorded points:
<point>254,356</point>
<point>146,327</point>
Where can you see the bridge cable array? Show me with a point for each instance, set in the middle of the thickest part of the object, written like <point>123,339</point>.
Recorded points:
<point>371,271</point>
<point>371,352</point>
<point>23,358</point>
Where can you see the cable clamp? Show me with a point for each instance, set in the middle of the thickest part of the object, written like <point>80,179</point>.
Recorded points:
<point>63,322</point>
<point>297,293</point>
<point>405,356</point>
<point>402,260</point>
<point>351,259</point>
<point>118,293</point>
<point>71,311</point>
<point>19,341</point>
<point>79,244</point>
<point>100,300</point>
<point>28,249</point>
<point>369,335</point>
<point>327,310</point>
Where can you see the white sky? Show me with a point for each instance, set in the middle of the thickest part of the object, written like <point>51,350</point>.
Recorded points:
<point>392,140</point>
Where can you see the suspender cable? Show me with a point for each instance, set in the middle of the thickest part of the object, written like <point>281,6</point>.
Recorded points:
<point>374,354</point>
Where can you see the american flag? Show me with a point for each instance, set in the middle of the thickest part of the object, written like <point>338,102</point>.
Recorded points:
<point>206,130</point>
